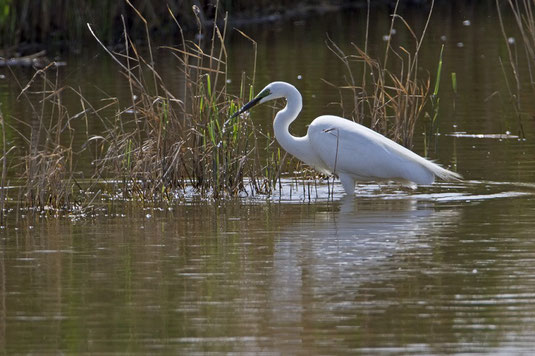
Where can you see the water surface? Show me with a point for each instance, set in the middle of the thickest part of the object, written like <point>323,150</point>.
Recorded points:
<point>442,269</point>
<point>425,273</point>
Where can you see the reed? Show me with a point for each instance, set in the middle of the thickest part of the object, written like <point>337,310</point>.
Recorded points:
<point>157,147</point>
<point>524,14</point>
<point>3,175</point>
<point>431,125</point>
<point>162,145</point>
<point>390,96</point>
<point>43,166</point>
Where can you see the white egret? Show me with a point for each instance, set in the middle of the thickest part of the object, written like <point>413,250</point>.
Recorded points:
<point>334,145</point>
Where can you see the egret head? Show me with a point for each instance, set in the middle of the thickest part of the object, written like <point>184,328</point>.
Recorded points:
<point>270,92</point>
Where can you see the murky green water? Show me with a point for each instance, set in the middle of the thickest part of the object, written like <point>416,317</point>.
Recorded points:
<point>442,269</point>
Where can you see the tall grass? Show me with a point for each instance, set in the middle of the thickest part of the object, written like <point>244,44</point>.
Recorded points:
<point>390,96</point>
<point>3,175</point>
<point>42,168</point>
<point>158,146</point>
<point>47,163</point>
<point>162,143</point>
<point>42,164</point>
<point>524,14</point>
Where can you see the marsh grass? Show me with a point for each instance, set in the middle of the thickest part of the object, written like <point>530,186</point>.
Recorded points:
<point>524,15</point>
<point>47,158</point>
<point>162,144</point>
<point>3,175</point>
<point>389,96</point>
<point>157,146</point>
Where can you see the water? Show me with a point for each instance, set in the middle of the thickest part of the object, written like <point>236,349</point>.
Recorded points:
<point>442,269</point>
<point>410,274</point>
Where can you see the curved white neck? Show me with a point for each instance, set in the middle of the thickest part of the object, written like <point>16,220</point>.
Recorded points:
<point>297,146</point>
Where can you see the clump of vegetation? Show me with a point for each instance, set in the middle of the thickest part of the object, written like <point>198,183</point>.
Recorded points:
<point>159,146</point>
<point>524,15</point>
<point>390,96</point>
<point>45,167</point>
<point>162,143</point>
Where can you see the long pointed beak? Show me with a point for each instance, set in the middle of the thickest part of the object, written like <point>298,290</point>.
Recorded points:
<point>246,107</point>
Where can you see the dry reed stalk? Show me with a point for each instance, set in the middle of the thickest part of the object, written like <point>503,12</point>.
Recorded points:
<point>48,162</point>
<point>4,169</point>
<point>390,102</point>
<point>44,165</point>
<point>524,15</point>
<point>171,143</point>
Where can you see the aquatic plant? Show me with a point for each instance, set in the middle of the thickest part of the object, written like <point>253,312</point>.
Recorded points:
<point>431,124</point>
<point>161,144</point>
<point>4,169</point>
<point>524,15</point>
<point>47,158</point>
<point>390,96</point>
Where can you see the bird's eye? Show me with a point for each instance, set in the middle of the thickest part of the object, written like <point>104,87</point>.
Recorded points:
<point>264,93</point>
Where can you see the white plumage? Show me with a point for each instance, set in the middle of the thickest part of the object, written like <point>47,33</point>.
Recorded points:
<point>353,152</point>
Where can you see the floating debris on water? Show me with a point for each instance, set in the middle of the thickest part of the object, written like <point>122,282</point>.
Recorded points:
<point>506,135</point>
<point>37,60</point>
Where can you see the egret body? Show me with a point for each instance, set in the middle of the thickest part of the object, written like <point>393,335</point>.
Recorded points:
<point>334,145</point>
